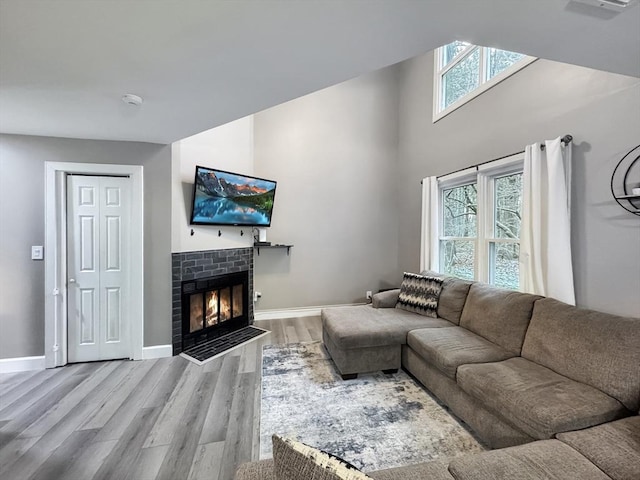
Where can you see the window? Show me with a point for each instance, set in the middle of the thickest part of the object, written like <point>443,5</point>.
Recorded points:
<point>459,230</point>
<point>463,71</point>
<point>480,217</point>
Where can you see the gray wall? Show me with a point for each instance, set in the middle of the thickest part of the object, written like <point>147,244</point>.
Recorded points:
<point>543,101</point>
<point>333,154</point>
<point>22,225</point>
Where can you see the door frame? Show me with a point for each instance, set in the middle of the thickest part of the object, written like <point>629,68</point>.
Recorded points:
<point>55,247</point>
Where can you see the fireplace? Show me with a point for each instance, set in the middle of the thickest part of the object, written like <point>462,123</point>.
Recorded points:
<point>196,273</point>
<point>214,306</point>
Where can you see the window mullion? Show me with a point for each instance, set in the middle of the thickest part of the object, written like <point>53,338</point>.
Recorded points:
<point>482,246</point>
<point>483,65</point>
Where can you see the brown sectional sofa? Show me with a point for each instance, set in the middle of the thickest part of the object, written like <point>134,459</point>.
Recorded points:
<point>554,387</point>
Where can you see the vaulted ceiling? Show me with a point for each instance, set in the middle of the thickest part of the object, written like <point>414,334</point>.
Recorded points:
<point>65,64</point>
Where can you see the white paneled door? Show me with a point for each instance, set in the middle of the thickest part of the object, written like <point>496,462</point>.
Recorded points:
<point>98,215</point>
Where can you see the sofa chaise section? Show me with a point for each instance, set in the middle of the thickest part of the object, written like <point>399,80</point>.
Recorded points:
<point>368,338</point>
<point>365,339</point>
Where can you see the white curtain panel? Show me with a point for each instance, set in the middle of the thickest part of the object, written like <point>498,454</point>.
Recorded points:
<point>545,237</point>
<point>429,238</point>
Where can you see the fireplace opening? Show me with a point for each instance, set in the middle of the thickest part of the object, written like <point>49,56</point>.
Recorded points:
<point>213,307</point>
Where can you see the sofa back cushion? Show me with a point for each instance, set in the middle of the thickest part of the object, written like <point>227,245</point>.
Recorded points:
<point>452,297</point>
<point>599,349</point>
<point>500,316</point>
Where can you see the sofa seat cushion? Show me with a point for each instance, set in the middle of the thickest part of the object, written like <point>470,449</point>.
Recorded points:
<point>535,399</point>
<point>613,447</point>
<point>448,348</point>
<point>364,326</point>
<point>543,460</point>
<point>436,470</point>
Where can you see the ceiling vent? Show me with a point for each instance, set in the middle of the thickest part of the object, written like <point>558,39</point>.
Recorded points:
<point>612,5</point>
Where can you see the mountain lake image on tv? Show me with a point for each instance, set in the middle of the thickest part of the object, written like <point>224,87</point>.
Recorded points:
<point>225,198</point>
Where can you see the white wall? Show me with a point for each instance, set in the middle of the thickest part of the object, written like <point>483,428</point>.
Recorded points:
<point>334,155</point>
<point>543,101</point>
<point>228,147</point>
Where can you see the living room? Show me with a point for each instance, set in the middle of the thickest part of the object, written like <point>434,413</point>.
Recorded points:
<point>348,160</point>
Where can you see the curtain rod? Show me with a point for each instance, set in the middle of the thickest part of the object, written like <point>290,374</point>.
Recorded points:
<point>566,140</point>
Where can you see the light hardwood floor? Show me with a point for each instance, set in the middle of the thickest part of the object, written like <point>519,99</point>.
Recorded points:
<point>151,419</point>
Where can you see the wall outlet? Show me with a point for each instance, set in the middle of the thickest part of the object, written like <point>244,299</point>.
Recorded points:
<point>368,294</point>
<point>257,296</point>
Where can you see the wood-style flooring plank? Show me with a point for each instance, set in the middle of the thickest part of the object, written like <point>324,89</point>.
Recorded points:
<point>122,417</point>
<point>12,451</point>
<point>85,467</point>
<point>107,408</point>
<point>248,357</point>
<point>149,462</point>
<point>164,389</point>
<point>29,460</point>
<point>218,410</point>
<point>70,401</point>
<point>64,456</point>
<point>314,327</point>
<point>41,407</point>
<point>177,463</point>
<point>167,418</point>
<point>125,455</point>
<point>27,380</point>
<point>20,403</point>
<point>302,332</point>
<point>206,462</point>
<point>239,438</point>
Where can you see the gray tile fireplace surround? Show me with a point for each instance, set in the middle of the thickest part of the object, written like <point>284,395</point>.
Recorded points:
<point>187,266</point>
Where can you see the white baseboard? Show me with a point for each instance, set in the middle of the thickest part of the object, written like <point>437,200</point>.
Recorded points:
<point>295,312</point>
<point>157,351</point>
<point>21,364</point>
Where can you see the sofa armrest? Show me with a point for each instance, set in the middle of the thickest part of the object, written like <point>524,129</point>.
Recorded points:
<point>260,470</point>
<point>387,299</point>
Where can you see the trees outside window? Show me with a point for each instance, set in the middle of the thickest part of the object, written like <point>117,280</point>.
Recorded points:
<point>480,220</point>
<point>463,71</point>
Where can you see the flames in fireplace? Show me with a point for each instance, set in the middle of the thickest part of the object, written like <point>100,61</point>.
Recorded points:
<point>214,307</point>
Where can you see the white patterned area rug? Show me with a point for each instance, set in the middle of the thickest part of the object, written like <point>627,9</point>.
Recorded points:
<point>376,421</point>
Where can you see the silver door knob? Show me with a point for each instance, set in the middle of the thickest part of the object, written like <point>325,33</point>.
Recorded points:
<point>72,280</point>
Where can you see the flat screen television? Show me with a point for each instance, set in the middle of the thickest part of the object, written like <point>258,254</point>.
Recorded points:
<point>225,198</point>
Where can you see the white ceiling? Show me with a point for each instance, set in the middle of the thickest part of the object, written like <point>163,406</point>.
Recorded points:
<point>198,64</point>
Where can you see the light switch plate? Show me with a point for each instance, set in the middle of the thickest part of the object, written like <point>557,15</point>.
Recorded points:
<point>37,252</point>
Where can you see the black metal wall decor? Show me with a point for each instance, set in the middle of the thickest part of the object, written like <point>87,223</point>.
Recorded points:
<point>625,181</point>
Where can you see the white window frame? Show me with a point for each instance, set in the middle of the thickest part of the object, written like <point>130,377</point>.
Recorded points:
<point>484,176</point>
<point>458,179</point>
<point>484,84</point>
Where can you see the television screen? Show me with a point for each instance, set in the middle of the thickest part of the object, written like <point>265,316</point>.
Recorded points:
<point>225,198</point>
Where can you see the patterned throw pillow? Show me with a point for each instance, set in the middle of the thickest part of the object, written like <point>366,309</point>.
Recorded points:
<point>419,294</point>
<point>293,460</point>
